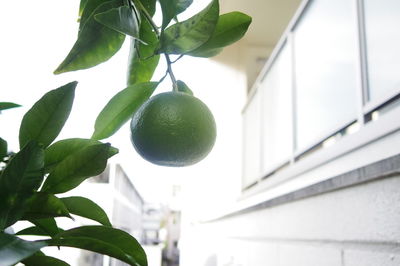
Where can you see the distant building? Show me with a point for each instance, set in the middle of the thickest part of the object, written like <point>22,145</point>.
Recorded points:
<point>153,216</point>
<point>128,205</point>
<point>116,194</point>
<point>162,226</point>
<point>172,225</point>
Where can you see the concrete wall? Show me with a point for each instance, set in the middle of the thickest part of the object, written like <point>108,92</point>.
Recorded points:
<point>355,225</point>
<point>336,205</point>
<point>354,222</point>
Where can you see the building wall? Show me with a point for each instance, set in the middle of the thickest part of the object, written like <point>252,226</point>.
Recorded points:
<point>334,203</point>
<point>128,204</point>
<point>328,229</point>
<point>350,225</point>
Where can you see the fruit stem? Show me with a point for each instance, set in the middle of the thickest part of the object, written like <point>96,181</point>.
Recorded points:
<point>171,73</point>
<point>156,30</point>
<point>173,62</point>
<point>148,17</point>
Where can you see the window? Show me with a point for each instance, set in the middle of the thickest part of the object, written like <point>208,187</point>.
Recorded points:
<point>251,149</point>
<point>333,75</point>
<point>382,19</point>
<point>325,67</point>
<point>277,112</point>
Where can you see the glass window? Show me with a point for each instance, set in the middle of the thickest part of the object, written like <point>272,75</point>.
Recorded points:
<point>382,18</point>
<point>277,112</point>
<point>325,65</point>
<point>251,149</point>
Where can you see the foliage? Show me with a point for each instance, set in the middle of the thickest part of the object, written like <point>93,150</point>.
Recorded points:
<point>31,178</point>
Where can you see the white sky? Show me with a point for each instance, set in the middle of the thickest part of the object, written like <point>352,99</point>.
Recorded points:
<point>37,35</point>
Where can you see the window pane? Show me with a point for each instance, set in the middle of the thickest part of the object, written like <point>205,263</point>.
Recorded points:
<point>251,149</point>
<point>325,57</point>
<point>382,19</point>
<point>277,112</point>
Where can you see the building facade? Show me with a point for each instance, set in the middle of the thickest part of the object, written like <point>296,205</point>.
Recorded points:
<point>321,147</point>
<point>115,193</point>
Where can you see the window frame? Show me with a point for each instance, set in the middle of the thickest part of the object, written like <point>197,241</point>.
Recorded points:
<point>300,160</point>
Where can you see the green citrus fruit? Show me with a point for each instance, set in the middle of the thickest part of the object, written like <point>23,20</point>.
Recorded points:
<point>173,129</point>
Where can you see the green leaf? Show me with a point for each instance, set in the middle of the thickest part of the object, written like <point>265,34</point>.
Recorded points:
<point>45,205</point>
<point>183,87</point>
<point>121,19</point>
<point>86,10</point>
<point>20,178</point>
<point>74,169</point>
<point>50,230</point>
<point>14,249</point>
<point>182,5</point>
<point>3,148</point>
<point>43,260</point>
<point>86,208</point>
<point>142,59</point>
<point>171,8</point>
<point>44,121</point>
<point>82,6</point>
<point>47,225</point>
<point>230,28</point>
<point>205,53</point>
<point>96,43</point>
<point>149,5</point>
<point>169,11</point>
<point>60,150</point>
<point>33,230</point>
<point>121,108</point>
<point>105,240</point>
<point>188,35</point>
<point>8,105</point>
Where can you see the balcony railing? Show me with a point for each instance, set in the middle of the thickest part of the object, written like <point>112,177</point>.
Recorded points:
<point>334,73</point>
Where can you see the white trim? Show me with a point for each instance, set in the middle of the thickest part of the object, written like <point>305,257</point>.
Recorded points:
<point>276,166</point>
<point>323,136</point>
<point>372,131</point>
<point>243,186</point>
<point>294,95</point>
<point>362,50</point>
<point>262,131</point>
<point>375,104</point>
<point>362,71</point>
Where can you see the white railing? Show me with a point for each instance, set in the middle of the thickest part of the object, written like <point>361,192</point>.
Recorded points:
<point>320,85</point>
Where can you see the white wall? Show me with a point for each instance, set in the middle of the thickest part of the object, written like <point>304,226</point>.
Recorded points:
<point>222,86</point>
<point>354,226</point>
<point>221,83</point>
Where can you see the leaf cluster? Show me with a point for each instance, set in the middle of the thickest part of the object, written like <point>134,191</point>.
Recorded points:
<point>31,179</point>
<point>104,25</point>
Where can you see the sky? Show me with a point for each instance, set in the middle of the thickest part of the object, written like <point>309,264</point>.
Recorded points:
<point>36,37</point>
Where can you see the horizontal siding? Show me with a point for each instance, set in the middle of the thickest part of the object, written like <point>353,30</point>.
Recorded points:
<point>371,258</point>
<point>333,228</point>
<point>368,212</point>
